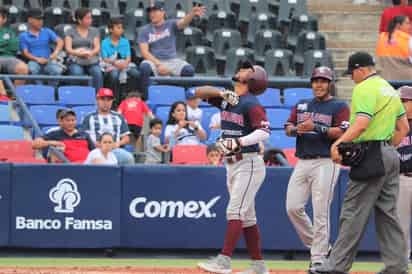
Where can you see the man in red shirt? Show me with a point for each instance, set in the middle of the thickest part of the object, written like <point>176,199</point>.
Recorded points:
<point>75,144</point>
<point>133,108</point>
<point>400,7</point>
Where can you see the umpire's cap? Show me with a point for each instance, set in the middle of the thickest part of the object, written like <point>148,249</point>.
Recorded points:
<point>257,79</point>
<point>322,72</point>
<point>359,59</point>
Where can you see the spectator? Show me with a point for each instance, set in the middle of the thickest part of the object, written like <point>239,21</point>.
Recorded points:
<point>215,121</point>
<point>194,113</point>
<point>400,7</point>
<point>103,155</point>
<point>116,55</point>
<point>104,120</point>
<point>133,109</point>
<point>394,50</point>
<point>75,144</point>
<point>214,156</point>
<point>157,42</point>
<point>9,45</point>
<point>180,131</point>
<point>35,45</point>
<point>275,157</point>
<point>83,47</point>
<point>154,148</point>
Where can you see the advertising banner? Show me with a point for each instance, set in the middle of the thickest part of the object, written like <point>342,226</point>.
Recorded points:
<point>5,181</point>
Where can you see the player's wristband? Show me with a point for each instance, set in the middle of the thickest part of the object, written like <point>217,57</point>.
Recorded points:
<point>191,92</point>
<point>321,129</point>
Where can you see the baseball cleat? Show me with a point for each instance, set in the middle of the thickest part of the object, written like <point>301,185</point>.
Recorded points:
<point>219,264</point>
<point>256,267</point>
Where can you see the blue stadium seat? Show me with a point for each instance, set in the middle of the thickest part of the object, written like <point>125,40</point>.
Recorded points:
<point>82,111</point>
<point>76,95</point>
<point>293,95</point>
<point>163,113</point>
<point>36,94</point>
<point>165,95</point>
<point>8,132</point>
<point>213,136</point>
<point>45,115</point>
<point>277,117</point>
<point>208,112</point>
<point>5,117</point>
<point>270,98</point>
<point>278,139</point>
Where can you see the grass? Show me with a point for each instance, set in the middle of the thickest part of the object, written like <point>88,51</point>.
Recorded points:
<point>61,262</point>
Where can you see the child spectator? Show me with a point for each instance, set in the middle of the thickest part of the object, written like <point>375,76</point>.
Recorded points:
<point>154,148</point>
<point>179,130</point>
<point>116,56</point>
<point>103,154</point>
<point>194,113</point>
<point>133,108</point>
<point>213,154</point>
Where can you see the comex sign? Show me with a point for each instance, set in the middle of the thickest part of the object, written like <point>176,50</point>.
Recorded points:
<point>66,196</point>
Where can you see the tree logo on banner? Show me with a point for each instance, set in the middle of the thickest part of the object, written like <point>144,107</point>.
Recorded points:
<point>65,195</point>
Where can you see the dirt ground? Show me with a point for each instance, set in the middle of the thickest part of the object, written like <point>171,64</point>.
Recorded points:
<point>120,270</point>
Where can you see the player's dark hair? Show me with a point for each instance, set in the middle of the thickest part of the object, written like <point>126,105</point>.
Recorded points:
<point>155,122</point>
<point>80,13</point>
<point>171,120</point>
<point>397,20</point>
<point>134,94</point>
<point>396,2</point>
<point>115,21</point>
<point>4,12</point>
<point>100,138</point>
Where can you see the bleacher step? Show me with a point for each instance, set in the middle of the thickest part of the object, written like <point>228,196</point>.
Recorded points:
<point>345,21</point>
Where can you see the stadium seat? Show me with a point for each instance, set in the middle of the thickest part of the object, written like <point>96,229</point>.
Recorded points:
<point>45,115</point>
<point>316,58</point>
<point>266,40</point>
<point>293,95</point>
<point>100,17</point>
<point>178,8</point>
<point>137,4</point>
<point>189,154</point>
<point>214,135</point>
<point>235,56</point>
<point>82,111</point>
<point>302,22</point>
<point>250,8</point>
<point>278,62</point>
<point>223,40</point>
<point>308,40</point>
<point>5,117</point>
<point>76,95</point>
<point>202,59</point>
<point>208,112</point>
<point>9,132</point>
<point>219,20</point>
<point>187,38</point>
<point>277,117</point>
<point>279,139</point>
<point>214,6</point>
<point>36,94</point>
<point>16,15</point>
<point>289,8</point>
<point>163,113</point>
<point>260,22</point>
<point>57,14</point>
<point>165,95</point>
<point>290,156</point>
<point>134,19</point>
<point>62,29</point>
<point>19,27</point>
<point>15,148</point>
<point>270,98</point>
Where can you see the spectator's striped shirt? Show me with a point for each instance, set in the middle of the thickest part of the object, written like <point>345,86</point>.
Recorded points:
<point>96,124</point>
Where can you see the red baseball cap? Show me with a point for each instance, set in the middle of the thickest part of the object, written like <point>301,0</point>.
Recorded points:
<point>104,92</point>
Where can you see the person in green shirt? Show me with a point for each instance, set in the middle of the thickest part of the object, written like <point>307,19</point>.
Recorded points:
<point>9,45</point>
<point>377,114</point>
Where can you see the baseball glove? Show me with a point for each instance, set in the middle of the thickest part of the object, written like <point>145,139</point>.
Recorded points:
<point>231,97</point>
<point>228,146</point>
<point>351,153</point>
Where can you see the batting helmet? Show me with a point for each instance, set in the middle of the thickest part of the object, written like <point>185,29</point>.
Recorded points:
<point>257,79</point>
<point>322,72</point>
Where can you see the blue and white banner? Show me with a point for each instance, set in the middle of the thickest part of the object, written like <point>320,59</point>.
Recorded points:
<point>65,206</point>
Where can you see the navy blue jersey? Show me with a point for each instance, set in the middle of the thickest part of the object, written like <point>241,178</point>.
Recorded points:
<point>242,119</point>
<point>331,113</point>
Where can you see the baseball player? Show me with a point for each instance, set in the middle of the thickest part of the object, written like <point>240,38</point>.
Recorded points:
<point>244,125</point>
<point>316,123</point>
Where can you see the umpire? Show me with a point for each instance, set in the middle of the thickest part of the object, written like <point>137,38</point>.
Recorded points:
<point>377,121</point>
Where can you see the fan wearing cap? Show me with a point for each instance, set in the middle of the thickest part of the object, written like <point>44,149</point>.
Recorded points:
<point>316,122</point>
<point>35,45</point>
<point>157,43</point>
<point>75,144</point>
<point>404,205</point>
<point>377,123</point>
<point>244,125</point>
<point>105,120</point>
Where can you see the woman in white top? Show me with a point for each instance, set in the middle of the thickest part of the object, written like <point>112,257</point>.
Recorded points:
<point>103,155</point>
<point>180,131</point>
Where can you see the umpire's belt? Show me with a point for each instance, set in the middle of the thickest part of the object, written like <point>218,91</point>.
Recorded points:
<point>231,159</point>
